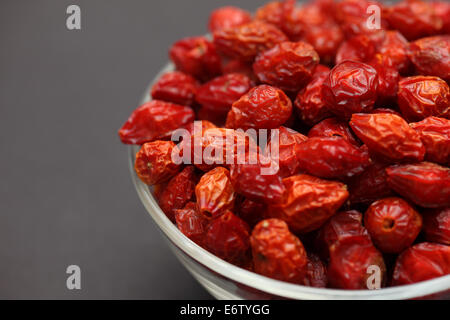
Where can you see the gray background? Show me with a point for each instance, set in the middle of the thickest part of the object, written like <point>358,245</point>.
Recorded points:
<point>65,192</point>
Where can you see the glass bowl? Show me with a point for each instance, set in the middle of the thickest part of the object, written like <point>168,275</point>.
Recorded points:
<point>226,281</point>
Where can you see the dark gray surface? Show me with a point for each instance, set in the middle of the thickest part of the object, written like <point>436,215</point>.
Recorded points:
<point>65,192</point>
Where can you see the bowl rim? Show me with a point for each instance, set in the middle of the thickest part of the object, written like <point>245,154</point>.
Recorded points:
<point>254,280</point>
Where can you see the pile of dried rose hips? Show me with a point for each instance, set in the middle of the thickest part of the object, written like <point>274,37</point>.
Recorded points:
<point>364,141</point>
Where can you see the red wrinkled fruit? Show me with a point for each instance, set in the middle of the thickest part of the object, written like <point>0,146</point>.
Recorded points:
<point>393,224</point>
<point>178,192</point>
<point>331,157</point>
<point>350,87</point>
<point>277,253</point>
<point>333,127</point>
<point>263,107</point>
<point>228,237</point>
<point>350,264</point>
<point>154,164</point>
<point>241,67</point>
<point>388,77</point>
<point>420,97</point>
<point>316,273</point>
<point>219,94</point>
<point>228,17</point>
<point>154,120</point>
<point>214,192</point>
<point>423,261</point>
<point>326,40</point>
<point>176,87</point>
<point>288,65</point>
<point>196,56</point>
<point>250,211</point>
<point>436,225</point>
<point>435,135</point>
<point>309,202</point>
<point>413,18</point>
<point>359,48</point>
<point>442,10</point>
<point>191,223</point>
<point>247,41</point>
<point>425,184</point>
<point>394,47</point>
<point>389,136</point>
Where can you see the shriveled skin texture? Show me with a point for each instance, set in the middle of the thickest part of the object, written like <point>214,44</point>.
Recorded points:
<point>277,253</point>
<point>388,77</point>
<point>263,107</point>
<point>215,193</point>
<point>393,224</point>
<point>228,237</point>
<point>176,87</point>
<point>420,97</point>
<point>333,127</point>
<point>345,224</point>
<point>251,211</point>
<point>154,164</point>
<point>228,17</point>
<point>154,120</point>
<point>219,94</point>
<point>359,48</point>
<point>431,56</point>
<point>389,136</point>
<point>331,157</point>
<point>309,202</point>
<point>425,184</point>
<point>316,272</point>
<point>351,87</point>
<point>288,66</point>
<point>349,262</point>
<point>436,225</point>
<point>192,223</point>
<point>325,39</point>
<point>310,104</point>
<point>247,41</point>
<point>435,135</point>
<point>395,48</point>
<point>423,261</point>
<point>287,158</point>
<point>178,192</point>
<point>196,56</point>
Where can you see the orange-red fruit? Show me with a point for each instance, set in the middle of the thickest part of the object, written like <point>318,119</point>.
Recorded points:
<point>423,261</point>
<point>228,17</point>
<point>388,136</point>
<point>309,202</point>
<point>192,223</point>
<point>436,225</point>
<point>176,87</point>
<point>277,253</point>
<point>154,164</point>
<point>393,224</point>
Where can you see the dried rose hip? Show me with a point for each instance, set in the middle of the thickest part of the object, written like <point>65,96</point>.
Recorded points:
<point>288,139</point>
<point>191,223</point>
<point>228,17</point>
<point>425,184</point>
<point>154,120</point>
<point>178,192</point>
<point>196,56</point>
<point>214,192</point>
<point>431,56</point>
<point>420,97</point>
<point>247,41</point>
<point>219,94</point>
<point>288,65</point>
<point>359,48</point>
<point>333,127</point>
<point>176,87</point>
<point>309,202</point>
<point>331,157</point>
<point>350,262</point>
<point>316,273</point>
<point>154,164</point>
<point>371,185</point>
<point>263,107</point>
<point>393,224</point>
<point>228,237</point>
<point>423,261</point>
<point>277,253</point>
<point>413,18</point>
<point>435,135</point>
<point>241,67</point>
<point>436,225</point>
<point>251,212</point>
<point>388,77</point>
<point>258,181</point>
<point>345,224</point>
<point>389,136</point>
<point>326,40</point>
<point>442,10</point>
<point>350,87</point>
